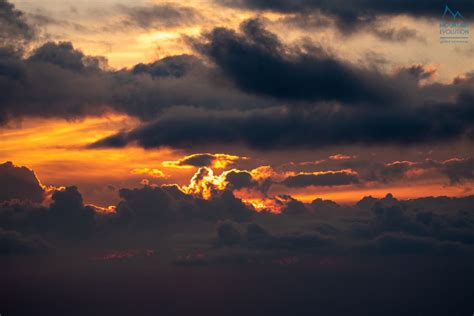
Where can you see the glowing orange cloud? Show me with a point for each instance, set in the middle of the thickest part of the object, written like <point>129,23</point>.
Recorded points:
<point>153,172</point>
<point>341,157</point>
<point>205,184</point>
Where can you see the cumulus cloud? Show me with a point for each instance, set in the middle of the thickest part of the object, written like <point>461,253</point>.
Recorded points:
<point>372,226</point>
<point>19,183</point>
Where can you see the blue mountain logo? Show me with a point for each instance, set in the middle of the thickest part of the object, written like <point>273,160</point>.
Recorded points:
<point>453,15</point>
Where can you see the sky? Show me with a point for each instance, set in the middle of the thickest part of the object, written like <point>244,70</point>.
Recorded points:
<point>214,132</point>
<point>325,74</point>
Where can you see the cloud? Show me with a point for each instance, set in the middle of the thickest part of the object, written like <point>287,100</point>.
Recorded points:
<point>14,243</point>
<point>238,179</point>
<point>19,183</point>
<point>52,80</point>
<point>458,169</point>
<point>187,103</point>
<point>373,226</point>
<point>69,216</point>
<point>204,160</point>
<point>155,206</point>
<point>321,109</point>
<point>279,128</point>
<point>64,55</point>
<point>228,234</point>
<point>329,178</point>
<point>171,66</point>
<point>165,15</point>
<point>14,29</point>
<point>153,172</point>
<point>341,157</point>
<point>254,57</point>
<point>350,15</point>
<point>399,243</point>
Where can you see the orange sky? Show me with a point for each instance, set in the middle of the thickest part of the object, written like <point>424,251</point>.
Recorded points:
<point>55,150</point>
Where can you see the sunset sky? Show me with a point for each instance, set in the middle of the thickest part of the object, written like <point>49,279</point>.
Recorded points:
<point>131,113</point>
<point>387,114</point>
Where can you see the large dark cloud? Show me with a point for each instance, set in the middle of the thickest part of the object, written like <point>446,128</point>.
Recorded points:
<point>258,62</point>
<point>392,109</point>
<point>279,128</point>
<point>350,14</point>
<point>19,183</point>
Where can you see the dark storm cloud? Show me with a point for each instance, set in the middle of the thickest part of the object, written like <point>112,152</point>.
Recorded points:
<point>258,62</point>
<point>279,128</point>
<point>165,15</point>
<point>321,179</point>
<point>352,14</point>
<point>19,183</point>
<point>396,106</point>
